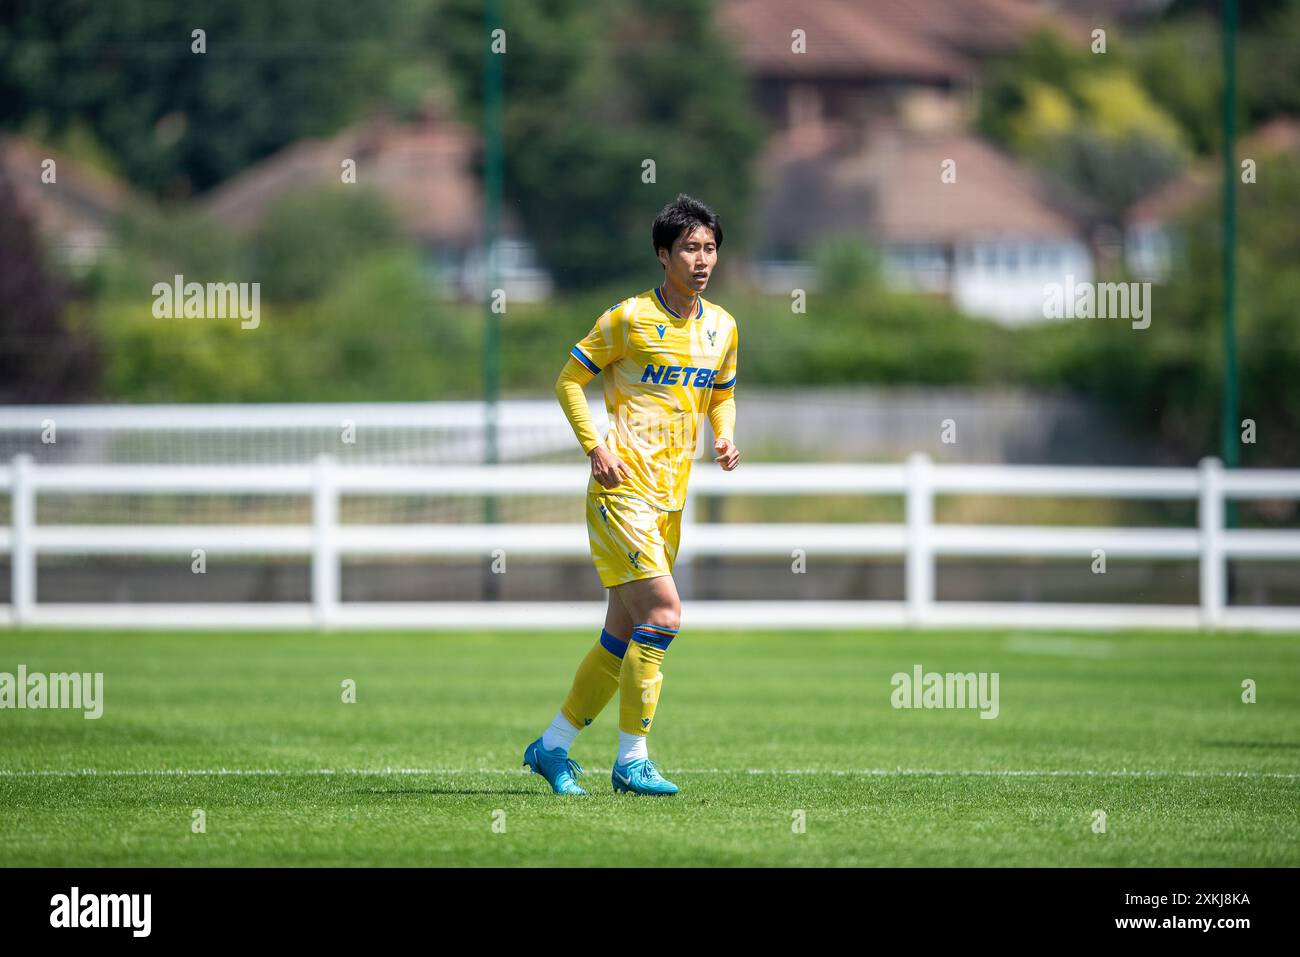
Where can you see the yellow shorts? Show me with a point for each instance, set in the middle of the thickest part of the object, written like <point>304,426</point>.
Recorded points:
<point>630,539</point>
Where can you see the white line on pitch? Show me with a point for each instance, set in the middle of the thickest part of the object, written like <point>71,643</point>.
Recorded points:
<point>840,772</point>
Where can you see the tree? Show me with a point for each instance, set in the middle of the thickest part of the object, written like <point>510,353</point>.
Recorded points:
<point>1085,120</point>
<point>1165,382</point>
<point>312,237</point>
<point>177,121</point>
<point>593,91</point>
<point>41,358</point>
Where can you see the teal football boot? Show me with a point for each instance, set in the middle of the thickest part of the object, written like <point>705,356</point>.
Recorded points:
<point>641,777</point>
<point>556,766</point>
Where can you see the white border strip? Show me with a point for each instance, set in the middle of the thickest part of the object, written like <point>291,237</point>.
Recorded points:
<point>750,615</point>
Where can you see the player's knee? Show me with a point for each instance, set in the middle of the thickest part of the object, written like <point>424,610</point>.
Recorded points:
<point>668,615</point>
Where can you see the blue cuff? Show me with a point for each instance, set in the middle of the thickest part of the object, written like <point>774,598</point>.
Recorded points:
<point>615,646</point>
<point>657,636</point>
<point>578,354</point>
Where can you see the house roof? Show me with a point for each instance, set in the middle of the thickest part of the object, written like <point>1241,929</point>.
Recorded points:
<point>978,27</point>
<point>926,40</point>
<point>842,40</point>
<point>77,209</point>
<point>994,195</point>
<point>424,169</point>
<point>819,182</point>
<point>1278,135</point>
<point>1119,11</point>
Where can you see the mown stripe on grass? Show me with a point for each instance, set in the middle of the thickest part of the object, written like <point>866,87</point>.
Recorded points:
<point>842,772</point>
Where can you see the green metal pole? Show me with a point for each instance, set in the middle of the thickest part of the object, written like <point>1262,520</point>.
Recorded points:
<point>494,69</point>
<point>1231,447</point>
<point>491,225</point>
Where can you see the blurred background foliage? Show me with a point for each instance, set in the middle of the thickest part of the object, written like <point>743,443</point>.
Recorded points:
<point>353,312</point>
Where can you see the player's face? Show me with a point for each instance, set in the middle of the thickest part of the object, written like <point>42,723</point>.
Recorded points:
<point>691,262</point>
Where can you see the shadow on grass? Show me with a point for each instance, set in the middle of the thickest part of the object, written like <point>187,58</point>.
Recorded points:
<point>1253,744</point>
<point>427,791</point>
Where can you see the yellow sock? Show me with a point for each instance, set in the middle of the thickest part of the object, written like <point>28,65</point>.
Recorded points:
<point>595,682</point>
<point>640,679</point>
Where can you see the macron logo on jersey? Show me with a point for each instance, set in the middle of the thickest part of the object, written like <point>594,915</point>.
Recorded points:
<point>680,375</point>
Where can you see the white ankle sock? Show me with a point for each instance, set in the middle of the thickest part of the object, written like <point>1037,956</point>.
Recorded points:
<point>560,734</point>
<point>631,747</point>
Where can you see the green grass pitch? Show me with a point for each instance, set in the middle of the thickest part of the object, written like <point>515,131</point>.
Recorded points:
<point>1149,728</point>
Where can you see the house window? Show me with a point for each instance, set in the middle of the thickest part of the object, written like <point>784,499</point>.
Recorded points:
<point>805,105</point>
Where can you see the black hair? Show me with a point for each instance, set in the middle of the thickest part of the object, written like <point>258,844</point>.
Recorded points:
<point>682,215</point>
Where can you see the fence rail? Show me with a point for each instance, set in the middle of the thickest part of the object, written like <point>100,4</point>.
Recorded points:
<point>919,541</point>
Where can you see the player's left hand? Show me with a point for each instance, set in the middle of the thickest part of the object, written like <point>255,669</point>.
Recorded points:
<point>728,454</point>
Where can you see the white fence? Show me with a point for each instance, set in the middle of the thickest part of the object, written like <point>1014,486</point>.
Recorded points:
<point>389,433</point>
<point>919,541</point>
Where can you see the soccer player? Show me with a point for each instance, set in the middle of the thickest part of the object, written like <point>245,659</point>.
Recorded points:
<point>669,358</point>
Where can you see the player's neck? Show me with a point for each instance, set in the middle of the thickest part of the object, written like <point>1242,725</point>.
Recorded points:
<point>680,303</point>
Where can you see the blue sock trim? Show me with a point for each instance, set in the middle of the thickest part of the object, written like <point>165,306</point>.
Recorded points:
<point>656,636</point>
<point>615,646</point>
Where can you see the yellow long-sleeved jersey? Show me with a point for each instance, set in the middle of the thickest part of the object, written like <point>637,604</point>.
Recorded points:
<point>663,373</point>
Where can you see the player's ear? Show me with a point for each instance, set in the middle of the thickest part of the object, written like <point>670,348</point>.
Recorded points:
<point>663,256</point>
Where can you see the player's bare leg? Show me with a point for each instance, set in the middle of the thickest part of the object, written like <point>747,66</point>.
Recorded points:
<point>655,610</point>
<point>652,600</point>
<point>618,621</point>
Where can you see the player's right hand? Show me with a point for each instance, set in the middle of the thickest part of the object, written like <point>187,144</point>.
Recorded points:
<point>607,467</point>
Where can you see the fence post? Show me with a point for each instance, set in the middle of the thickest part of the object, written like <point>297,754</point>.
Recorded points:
<point>1214,592</point>
<point>324,554</point>
<point>22,509</point>
<point>919,558</point>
